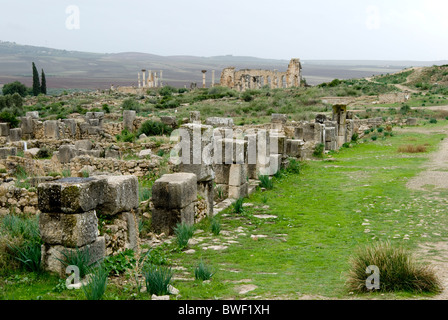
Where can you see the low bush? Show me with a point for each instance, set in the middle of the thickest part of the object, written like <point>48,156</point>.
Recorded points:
<point>154,128</point>
<point>398,269</point>
<point>319,150</point>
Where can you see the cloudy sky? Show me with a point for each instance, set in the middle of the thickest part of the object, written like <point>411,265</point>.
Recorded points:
<point>280,29</point>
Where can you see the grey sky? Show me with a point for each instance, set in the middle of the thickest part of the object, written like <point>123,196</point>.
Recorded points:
<point>280,29</point>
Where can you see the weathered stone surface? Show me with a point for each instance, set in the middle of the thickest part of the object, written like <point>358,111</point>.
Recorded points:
<point>70,125</point>
<point>128,119</point>
<point>71,195</point>
<point>293,148</point>
<point>4,129</point>
<point>238,192</point>
<point>277,144</point>
<point>220,122</point>
<point>33,114</point>
<point>51,255</point>
<point>15,134</point>
<point>279,118</point>
<point>145,153</point>
<point>112,153</point>
<point>275,163</point>
<point>205,191</point>
<point>411,122</point>
<point>6,152</point>
<point>237,175</point>
<point>67,153</point>
<point>195,117</point>
<point>69,230</point>
<point>120,194</point>
<point>164,220</point>
<point>174,191</point>
<point>27,125</point>
<point>230,151</point>
<point>222,172</point>
<point>84,144</point>
<point>91,153</point>
<point>169,120</point>
<point>51,129</point>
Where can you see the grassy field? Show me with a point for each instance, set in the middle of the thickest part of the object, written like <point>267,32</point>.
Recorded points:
<point>358,196</point>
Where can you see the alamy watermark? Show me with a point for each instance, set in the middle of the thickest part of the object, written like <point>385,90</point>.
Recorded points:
<point>373,281</point>
<point>73,21</point>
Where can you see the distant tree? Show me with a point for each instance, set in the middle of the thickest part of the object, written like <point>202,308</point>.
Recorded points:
<point>15,87</point>
<point>43,85</point>
<point>36,82</point>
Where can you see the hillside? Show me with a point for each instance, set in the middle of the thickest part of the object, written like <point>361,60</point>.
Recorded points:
<point>74,69</point>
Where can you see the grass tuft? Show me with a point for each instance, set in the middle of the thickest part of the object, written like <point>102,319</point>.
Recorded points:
<point>183,233</point>
<point>203,272</point>
<point>398,270</point>
<point>157,279</point>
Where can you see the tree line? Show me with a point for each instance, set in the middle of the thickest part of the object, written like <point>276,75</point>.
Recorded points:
<point>39,85</point>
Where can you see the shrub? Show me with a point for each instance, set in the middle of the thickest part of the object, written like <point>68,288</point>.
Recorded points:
<point>44,153</point>
<point>203,272</point>
<point>157,279</point>
<point>374,138</point>
<point>380,130</point>
<point>29,255</point>
<point>183,233</point>
<point>247,96</point>
<point>154,128</point>
<point>238,206</point>
<point>126,136</point>
<point>319,150</point>
<point>294,166</point>
<point>266,182</point>
<point>398,270</point>
<point>215,226</point>
<point>405,109</point>
<point>366,132</point>
<point>130,104</point>
<point>412,149</point>
<point>355,137</point>
<point>119,263</point>
<point>96,287</point>
<point>433,121</point>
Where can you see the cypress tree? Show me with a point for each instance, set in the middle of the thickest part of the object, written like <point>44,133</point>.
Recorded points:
<point>36,83</point>
<point>43,86</point>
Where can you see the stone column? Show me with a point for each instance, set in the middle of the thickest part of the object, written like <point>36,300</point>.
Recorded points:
<point>203,78</point>
<point>161,78</point>
<point>213,78</point>
<point>144,77</point>
<point>128,119</point>
<point>139,81</point>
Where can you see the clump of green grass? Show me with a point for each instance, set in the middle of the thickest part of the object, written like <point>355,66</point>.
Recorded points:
<point>266,182</point>
<point>374,138</point>
<point>319,150</point>
<point>157,279</point>
<point>144,193</point>
<point>433,121</point>
<point>398,269</point>
<point>96,287</point>
<point>183,233</point>
<point>66,173</point>
<point>203,272</point>
<point>215,226</point>
<point>238,206</point>
<point>294,166</point>
<point>77,257</point>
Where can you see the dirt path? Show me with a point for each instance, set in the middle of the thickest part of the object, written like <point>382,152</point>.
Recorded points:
<point>435,174</point>
<point>436,170</point>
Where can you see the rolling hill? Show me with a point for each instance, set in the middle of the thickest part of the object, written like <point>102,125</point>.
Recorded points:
<point>84,70</point>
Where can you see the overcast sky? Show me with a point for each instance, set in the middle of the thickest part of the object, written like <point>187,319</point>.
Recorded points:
<point>280,29</point>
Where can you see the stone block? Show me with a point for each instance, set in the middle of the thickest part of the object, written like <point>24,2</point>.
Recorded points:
<point>164,220</point>
<point>128,120</point>
<point>275,163</point>
<point>277,144</point>
<point>230,151</point>
<point>70,127</point>
<point>195,117</point>
<point>68,230</point>
<point>222,172</point>
<point>4,129</point>
<point>174,191</point>
<point>90,153</point>
<point>239,192</point>
<point>67,153</point>
<point>52,254</point>
<point>33,114</point>
<point>6,152</point>
<point>51,129</point>
<point>112,153</point>
<point>27,125</point>
<point>169,120</point>
<point>15,134</point>
<point>205,190</point>
<point>279,118</point>
<point>294,147</point>
<point>84,144</point>
<point>120,194</point>
<point>237,175</point>
<point>71,195</point>
<point>220,122</point>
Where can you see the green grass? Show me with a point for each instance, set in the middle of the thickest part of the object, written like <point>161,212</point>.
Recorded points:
<point>323,214</point>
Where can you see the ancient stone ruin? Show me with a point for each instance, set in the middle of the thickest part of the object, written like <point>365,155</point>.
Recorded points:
<point>255,78</point>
